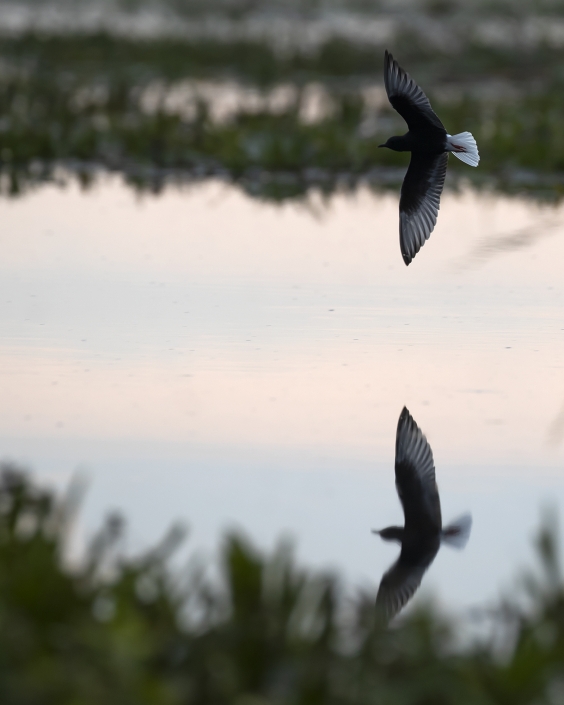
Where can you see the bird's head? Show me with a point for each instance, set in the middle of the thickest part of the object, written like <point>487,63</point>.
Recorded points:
<point>391,533</point>
<point>395,143</point>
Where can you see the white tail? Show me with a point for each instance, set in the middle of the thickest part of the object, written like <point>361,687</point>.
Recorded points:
<point>457,533</point>
<point>464,147</point>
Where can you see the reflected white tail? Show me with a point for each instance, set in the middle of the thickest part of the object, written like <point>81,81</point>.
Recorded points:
<point>457,533</point>
<point>464,147</point>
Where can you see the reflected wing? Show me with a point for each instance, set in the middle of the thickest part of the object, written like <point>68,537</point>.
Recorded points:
<point>420,201</point>
<point>408,99</point>
<point>398,585</point>
<point>415,476</point>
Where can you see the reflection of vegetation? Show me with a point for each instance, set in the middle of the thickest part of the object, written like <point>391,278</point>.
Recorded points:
<point>97,99</point>
<point>124,630</point>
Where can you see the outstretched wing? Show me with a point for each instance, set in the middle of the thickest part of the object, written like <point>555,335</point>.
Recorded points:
<point>408,99</point>
<point>415,477</point>
<point>420,201</point>
<point>400,583</point>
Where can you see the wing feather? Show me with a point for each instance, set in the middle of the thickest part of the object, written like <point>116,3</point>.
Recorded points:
<point>408,99</point>
<point>415,476</point>
<point>420,201</point>
<point>398,585</point>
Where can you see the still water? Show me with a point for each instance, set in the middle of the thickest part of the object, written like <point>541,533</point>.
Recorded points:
<point>206,357</point>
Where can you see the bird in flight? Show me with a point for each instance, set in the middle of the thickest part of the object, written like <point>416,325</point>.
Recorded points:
<point>429,144</point>
<point>423,532</point>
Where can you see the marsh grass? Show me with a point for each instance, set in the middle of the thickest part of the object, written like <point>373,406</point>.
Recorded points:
<point>81,101</point>
<point>119,629</point>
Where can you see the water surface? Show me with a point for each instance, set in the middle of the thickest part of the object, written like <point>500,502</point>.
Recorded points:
<point>227,362</point>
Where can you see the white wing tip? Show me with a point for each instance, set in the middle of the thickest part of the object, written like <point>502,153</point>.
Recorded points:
<point>464,147</point>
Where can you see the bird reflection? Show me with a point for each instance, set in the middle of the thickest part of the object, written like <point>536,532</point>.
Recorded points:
<point>423,532</point>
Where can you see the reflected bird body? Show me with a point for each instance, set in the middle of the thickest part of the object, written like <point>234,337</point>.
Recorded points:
<point>422,533</point>
<point>429,144</point>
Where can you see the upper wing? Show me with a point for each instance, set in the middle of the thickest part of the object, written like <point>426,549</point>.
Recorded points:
<point>399,584</point>
<point>415,475</point>
<point>420,201</point>
<point>407,98</point>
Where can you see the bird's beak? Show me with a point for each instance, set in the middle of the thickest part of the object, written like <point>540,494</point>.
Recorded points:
<point>376,531</point>
<point>381,145</point>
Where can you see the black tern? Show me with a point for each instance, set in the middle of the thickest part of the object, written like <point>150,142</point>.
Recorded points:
<point>429,144</point>
<point>423,532</point>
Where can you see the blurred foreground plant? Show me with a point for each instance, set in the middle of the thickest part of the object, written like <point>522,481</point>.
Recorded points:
<point>116,629</point>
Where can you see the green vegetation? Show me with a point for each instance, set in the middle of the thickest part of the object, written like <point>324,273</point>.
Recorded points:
<point>148,107</point>
<point>125,630</point>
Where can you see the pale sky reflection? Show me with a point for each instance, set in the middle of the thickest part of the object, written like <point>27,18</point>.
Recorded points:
<point>205,320</point>
<point>209,317</point>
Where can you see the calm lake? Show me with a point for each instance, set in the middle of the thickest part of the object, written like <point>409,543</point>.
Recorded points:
<point>207,357</point>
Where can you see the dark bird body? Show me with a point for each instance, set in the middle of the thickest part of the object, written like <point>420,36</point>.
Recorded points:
<point>423,532</point>
<point>429,144</point>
